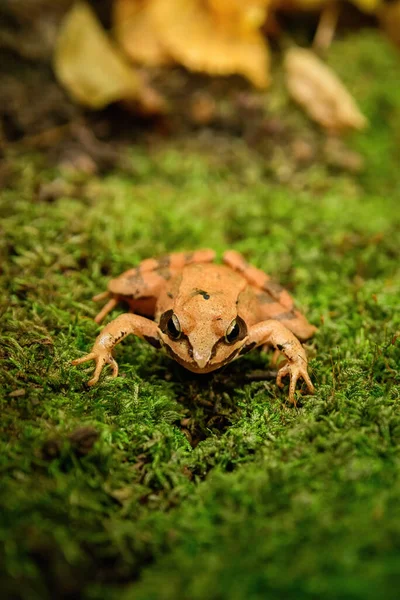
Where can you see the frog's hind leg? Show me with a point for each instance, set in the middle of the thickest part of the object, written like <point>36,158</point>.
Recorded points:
<point>293,319</point>
<point>141,286</point>
<point>258,278</point>
<point>273,300</point>
<point>107,308</point>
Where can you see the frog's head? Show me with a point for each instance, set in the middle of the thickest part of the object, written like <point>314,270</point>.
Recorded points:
<point>202,341</point>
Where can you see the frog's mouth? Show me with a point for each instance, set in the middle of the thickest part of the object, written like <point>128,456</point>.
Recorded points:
<point>195,367</point>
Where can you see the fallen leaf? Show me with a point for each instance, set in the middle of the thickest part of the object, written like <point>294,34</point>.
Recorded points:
<point>218,37</point>
<point>135,31</point>
<point>17,393</point>
<point>92,70</point>
<point>368,6</point>
<point>389,16</point>
<point>320,92</point>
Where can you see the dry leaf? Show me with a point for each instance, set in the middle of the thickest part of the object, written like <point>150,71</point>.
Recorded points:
<point>389,16</point>
<point>218,42</point>
<point>135,32</point>
<point>320,92</point>
<point>91,69</point>
<point>218,37</point>
<point>245,15</point>
<point>368,6</point>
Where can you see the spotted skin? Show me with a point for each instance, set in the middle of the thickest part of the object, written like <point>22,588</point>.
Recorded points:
<point>140,287</point>
<point>275,302</point>
<point>204,314</point>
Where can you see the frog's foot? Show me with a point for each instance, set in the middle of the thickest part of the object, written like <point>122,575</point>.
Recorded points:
<point>107,308</point>
<point>113,334</point>
<point>295,370</point>
<point>101,358</point>
<point>275,356</point>
<point>277,335</point>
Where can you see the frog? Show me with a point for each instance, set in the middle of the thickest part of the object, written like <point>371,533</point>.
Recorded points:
<point>204,314</point>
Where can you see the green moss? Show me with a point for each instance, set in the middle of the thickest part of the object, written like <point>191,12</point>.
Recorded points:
<point>182,486</point>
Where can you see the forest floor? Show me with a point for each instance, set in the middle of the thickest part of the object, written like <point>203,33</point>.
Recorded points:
<point>161,484</point>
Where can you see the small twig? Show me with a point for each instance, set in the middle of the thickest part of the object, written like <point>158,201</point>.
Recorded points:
<point>326,27</point>
<point>44,139</point>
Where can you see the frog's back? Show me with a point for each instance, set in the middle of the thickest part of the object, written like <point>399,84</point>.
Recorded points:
<point>203,289</point>
<point>272,300</point>
<point>218,292</point>
<point>211,280</point>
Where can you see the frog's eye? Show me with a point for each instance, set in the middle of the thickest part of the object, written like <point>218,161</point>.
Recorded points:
<point>237,330</point>
<point>174,327</point>
<point>169,324</point>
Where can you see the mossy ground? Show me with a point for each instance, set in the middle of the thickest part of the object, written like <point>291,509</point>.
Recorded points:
<point>162,484</point>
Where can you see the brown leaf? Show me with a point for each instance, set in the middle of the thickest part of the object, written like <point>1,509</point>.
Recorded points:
<point>17,393</point>
<point>389,16</point>
<point>320,92</point>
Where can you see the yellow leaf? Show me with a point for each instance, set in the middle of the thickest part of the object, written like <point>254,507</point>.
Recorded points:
<point>218,37</point>
<point>368,6</point>
<point>135,32</point>
<point>212,38</point>
<point>88,65</point>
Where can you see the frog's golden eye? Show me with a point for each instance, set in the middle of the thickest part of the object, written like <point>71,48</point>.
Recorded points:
<point>237,330</point>
<point>174,327</point>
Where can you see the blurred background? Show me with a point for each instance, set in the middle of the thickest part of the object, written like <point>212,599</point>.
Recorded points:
<point>82,79</point>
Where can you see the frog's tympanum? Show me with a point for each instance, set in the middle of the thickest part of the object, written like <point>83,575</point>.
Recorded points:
<point>205,315</point>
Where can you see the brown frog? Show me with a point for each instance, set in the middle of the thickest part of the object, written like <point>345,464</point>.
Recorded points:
<point>204,314</point>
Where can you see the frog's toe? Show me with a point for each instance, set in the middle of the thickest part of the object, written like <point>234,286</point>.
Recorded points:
<point>308,381</point>
<point>99,367</point>
<point>114,366</point>
<point>295,372</point>
<point>105,310</point>
<point>282,373</point>
<point>101,296</point>
<point>83,359</point>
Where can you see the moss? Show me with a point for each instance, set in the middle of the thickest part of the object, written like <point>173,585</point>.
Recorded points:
<point>162,484</point>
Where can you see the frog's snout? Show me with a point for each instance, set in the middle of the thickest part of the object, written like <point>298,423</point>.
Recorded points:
<point>201,358</point>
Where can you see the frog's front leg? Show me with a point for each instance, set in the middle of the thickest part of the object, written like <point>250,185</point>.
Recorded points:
<point>277,335</point>
<point>113,334</point>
